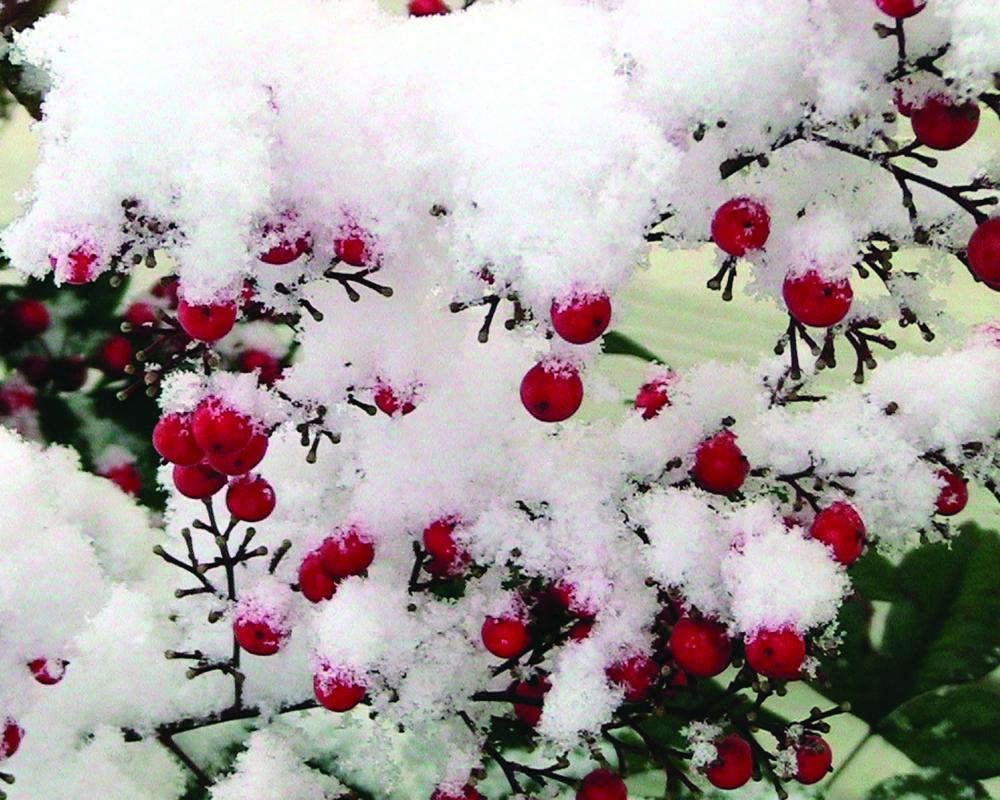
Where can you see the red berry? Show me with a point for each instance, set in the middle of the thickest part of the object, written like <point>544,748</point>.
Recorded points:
<point>427,8</point>
<point>174,440</point>
<point>443,569</point>
<point>250,498</point>
<point>813,759</point>
<point>28,317</point>
<point>777,653</point>
<point>733,765</point>
<point>602,784</point>
<point>260,634</point>
<point>115,355</point>
<point>48,671</point>
<point>199,481</point>
<point>15,397</point>
<point>167,289</point>
<point>466,792</point>
<point>346,553</point>
<point>552,391</point>
<point>901,9</point>
<point>268,367</point>
<point>637,674</point>
<point>241,461</point>
<point>719,465</point>
<point>37,370</point>
<point>439,541</point>
<point>984,252</point>
<point>741,226</point>
<point>218,428</point>
<point>208,322</point>
<point>534,690</point>
<point>140,314</point>
<point>286,249</point>
<point>69,373</point>
<point>653,397</point>
<point>126,477</point>
<point>314,583</point>
<point>10,741</point>
<point>580,318</point>
<point>581,630</point>
<point>840,527</point>
<point>79,267</point>
<point>953,495</point>
<point>352,247</point>
<point>701,647</point>
<point>903,106</point>
<point>566,594</point>
<point>338,690</point>
<point>391,402</point>
<point>506,637</point>
<point>815,301</point>
<point>942,123</point>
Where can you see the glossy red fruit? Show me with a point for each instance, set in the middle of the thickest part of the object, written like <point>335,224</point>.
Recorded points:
<point>653,397</point>
<point>636,674</point>
<point>440,543</point>
<point>207,322</point>
<point>840,528</point>
<point>266,365</point>
<point>352,247</point>
<point>140,314</point>
<point>250,498</point>
<point>719,465</point>
<point>552,391</point>
<point>602,784</point>
<point>115,355</point>
<point>427,8</point>
<point>733,765</point>
<point>568,596</point>
<point>943,123</point>
<point>219,428</point>
<point>777,654</point>
<point>984,252</point>
<point>701,647</point>
<point>126,477</point>
<point>741,226</point>
<point>11,738</point>
<point>813,759</point>
<point>241,461</point>
<point>815,301</point>
<point>287,248</point>
<point>79,267</point>
<point>314,583</point>
<point>174,440</point>
<point>954,495</point>
<point>506,637</point>
<point>580,318</point>
<point>28,317</point>
<point>48,671</point>
<point>900,9</point>
<point>347,553</point>
<point>466,792</point>
<point>69,373</point>
<point>338,690</point>
<point>261,635</point>
<point>392,402</point>
<point>533,691</point>
<point>199,481</point>
<point>37,370</point>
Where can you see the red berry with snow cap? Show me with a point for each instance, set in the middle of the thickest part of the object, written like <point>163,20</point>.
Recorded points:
<point>840,528</point>
<point>777,654</point>
<point>900,9</point>
<point>741,225</point>
<point>653,397</point>
<point>552,391</point>
<point>199,481</point>
<point>347,552</point>
<point>983,252</point>
<point>174,440</point>
<point>813,759</point>
<point>636,674</point>
<point>241,461</point>
<point>314,583</point>
<point>506,637</point>
<point>11,738</point>
<point>719,465</point>
<point>286,248</point>
<point>580,318</point>
<point>352,246</point>
<point>393,402</point>
<point>954,495</point>
<point>219,428</point>
<point>602,784</point>
<point>816,301</point>
<point>250,498</point>
<point>48,671</point>
<point>733,765</point>
<point>533,691</point>
<point>260,361</point>
<point>338,690</point>
<point>80,266</point>
<point>260,634</point>
<point>206,322</point>
<point>701,647</point>
<point>943,123</point>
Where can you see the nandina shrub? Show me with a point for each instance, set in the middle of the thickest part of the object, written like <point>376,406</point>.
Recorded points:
<point>391,546</point>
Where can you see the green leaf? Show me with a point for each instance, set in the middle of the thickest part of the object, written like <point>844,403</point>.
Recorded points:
<point>618,344</point>
<point>929,785</point>
<point>941,628</point>
<point>954,728</point>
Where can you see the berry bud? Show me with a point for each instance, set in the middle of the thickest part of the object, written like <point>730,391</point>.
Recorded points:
<point>580,318</point>
<point>816,301</point>
<point>777,654</point>
<point>841,529</point>
<point>552,391</point>
<point>719,465</point>
<point>741,225</point>
<point>733,765</point>
<point>701,647</point>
